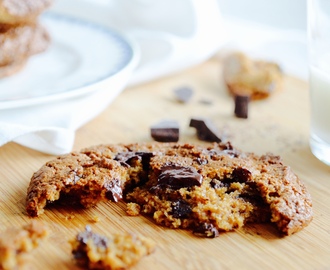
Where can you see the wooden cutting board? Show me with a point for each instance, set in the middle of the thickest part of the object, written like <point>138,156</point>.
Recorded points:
<point>279,124</point>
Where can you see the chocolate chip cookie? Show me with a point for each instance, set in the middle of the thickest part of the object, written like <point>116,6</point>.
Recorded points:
<point>205,188</point>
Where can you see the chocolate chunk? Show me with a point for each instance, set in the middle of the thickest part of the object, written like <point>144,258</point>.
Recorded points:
<point>238,175</point>
<point>181,209</point>
<point>242,106</point>
<point>216,184</point>
<point>165,131</point>
<point>178,177</point>
<point>205,130</point>
<point>79,254</point>
<point>206,230</point>
<point>125,158</point>
<point>98,240</point>
<point>241,175</point>
<point>201,161</point>
<point>114,190</point>
<point>183,94</point>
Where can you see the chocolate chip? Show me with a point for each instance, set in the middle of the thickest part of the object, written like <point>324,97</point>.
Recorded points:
<point>80,252</point>
<point>201,161</point>
<point>206,230</point>
<point>241,175</point>
<point>125,158</point>
<point>181,209</point>
<point>205,130</point>
<point>238,175</point>
<point>98,240</point>
<point>165,131</point>
<point>178,177</point>
<point>183,94</point>
<point>114,190</point>
<point>242,106</point>
<point>216,184</point>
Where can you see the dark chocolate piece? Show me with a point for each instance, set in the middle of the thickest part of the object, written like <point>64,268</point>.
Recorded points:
<point>238,175</point>
<point>98,240</point>
<point>79,254</point>
<point>242,106</point>
<point>181,209</point>
<point>114,190</point>
<point>165,131</point>
<point>183,94</point>
<point>205,130</point>
<point>201,161</point>
<point>206,230</point>
<point>216,184</point>
<point>126,158</point>
<point>179,177</point>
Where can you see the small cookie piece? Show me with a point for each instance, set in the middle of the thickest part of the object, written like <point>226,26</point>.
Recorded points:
<point>165,131</point>
<point>15,243</point>
<point>117,251</point>
<point>22,11</point>
<point>247,77</point>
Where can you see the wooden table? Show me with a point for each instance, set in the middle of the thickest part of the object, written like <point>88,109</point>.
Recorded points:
<point>279,124</point>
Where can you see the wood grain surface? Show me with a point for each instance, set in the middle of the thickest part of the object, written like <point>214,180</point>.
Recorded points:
<point>279,124</point>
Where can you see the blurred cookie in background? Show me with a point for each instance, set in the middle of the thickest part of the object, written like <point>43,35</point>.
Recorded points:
<point>21,34</point>
<point>257,79</point>
<point>22,11</point>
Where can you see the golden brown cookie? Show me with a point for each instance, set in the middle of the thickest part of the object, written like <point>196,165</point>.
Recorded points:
<point>248,77</point>
<point>17,43</point>
<point>22,11</point>
<point>204,188</point>
<point>10,69</point>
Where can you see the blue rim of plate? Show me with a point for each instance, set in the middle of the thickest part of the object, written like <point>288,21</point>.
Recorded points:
<point>129,62</point>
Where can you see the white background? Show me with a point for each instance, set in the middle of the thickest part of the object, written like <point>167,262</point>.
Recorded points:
<point>285,14</point>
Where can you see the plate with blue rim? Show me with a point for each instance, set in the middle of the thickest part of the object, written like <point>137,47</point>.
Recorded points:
<point>83,57</point>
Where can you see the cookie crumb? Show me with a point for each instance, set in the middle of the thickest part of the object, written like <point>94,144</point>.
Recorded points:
<point>95,219</point>
<point>70,216</point>
<point>133,209</point>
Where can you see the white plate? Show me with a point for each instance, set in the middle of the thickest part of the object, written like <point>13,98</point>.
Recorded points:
<point>81,58</point>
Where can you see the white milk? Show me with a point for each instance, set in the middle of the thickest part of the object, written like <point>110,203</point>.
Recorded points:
<point>320,101</point>
<point>320,112</point>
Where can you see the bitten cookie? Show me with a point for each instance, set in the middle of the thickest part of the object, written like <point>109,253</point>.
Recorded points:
<point>253,78</point>
<point>204,188</point>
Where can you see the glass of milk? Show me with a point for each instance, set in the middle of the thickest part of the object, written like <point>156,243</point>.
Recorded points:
<point>319,65</point>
